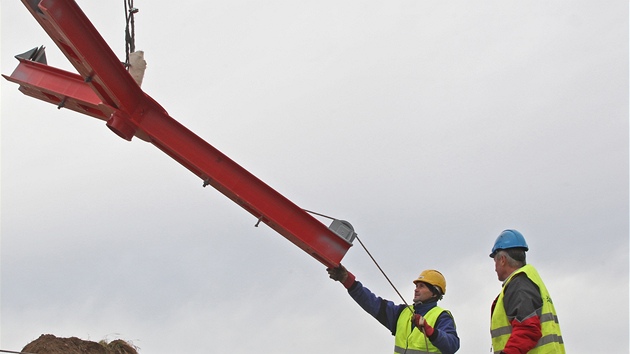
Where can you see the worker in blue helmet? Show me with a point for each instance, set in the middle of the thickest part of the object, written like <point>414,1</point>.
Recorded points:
<point>524,319</point>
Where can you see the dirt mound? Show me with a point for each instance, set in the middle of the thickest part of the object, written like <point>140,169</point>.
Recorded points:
<point>49,344</point>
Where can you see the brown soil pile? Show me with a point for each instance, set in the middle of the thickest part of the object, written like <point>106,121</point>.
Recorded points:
<point>49,344</point>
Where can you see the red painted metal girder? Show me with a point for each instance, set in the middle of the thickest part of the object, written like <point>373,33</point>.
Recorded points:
<point>128,111</point>
<point>59,87</point>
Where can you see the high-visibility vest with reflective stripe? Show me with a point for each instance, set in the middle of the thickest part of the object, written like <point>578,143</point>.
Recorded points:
<point>501,329</point>
<point>413,341</point>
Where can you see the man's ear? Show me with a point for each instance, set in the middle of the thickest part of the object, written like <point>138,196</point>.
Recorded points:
<point>503,259</point>
<point>498,258</point>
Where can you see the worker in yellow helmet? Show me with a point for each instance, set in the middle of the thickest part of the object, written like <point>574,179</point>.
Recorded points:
<point>524,319</point>
<point>418,329</point>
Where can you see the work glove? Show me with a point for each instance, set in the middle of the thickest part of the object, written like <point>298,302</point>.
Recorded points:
<point>341,275</point>
<point>422,325</point>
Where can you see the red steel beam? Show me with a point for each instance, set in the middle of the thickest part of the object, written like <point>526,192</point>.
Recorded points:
<point>105,90</point>
<point>59,87</point>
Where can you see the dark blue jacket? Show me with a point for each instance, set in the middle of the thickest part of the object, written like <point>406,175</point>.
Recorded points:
<point>386,312</point>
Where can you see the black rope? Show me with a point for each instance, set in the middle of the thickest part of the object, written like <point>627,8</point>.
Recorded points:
<point>385,275</point>
<point>326,216</point>
<point>369,254</point>
<point>130,30</point>
<point>426,341</point>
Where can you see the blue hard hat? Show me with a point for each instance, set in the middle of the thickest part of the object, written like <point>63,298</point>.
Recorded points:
<point>509,239</point>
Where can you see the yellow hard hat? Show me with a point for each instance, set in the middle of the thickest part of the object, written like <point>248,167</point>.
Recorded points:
<point>433,277</point>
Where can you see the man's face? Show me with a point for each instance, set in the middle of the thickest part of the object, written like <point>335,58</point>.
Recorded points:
<point>422,292</point>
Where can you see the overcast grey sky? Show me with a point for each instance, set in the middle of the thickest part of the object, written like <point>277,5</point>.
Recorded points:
<point>429,125</point>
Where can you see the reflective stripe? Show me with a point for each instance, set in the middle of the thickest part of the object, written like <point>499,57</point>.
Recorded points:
<point>548,317</point>
<point>501,331</point>
<point>551,338</point>
<point>400,350</point>
<point>508,329</point>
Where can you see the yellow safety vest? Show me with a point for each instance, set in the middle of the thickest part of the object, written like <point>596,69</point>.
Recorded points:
<point>501,329</point>
<point>413,341</point>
